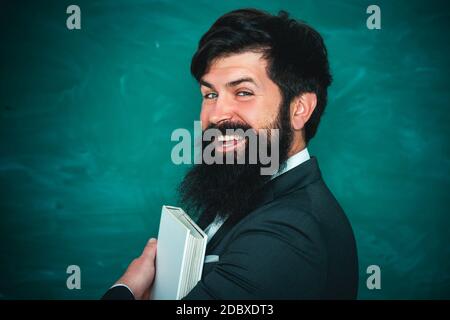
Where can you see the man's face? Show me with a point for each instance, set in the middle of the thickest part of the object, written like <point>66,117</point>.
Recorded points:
<point>238,94</point>
<point>237,90</point>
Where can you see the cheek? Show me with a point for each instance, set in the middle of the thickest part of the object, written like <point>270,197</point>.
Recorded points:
<point>259,115</point>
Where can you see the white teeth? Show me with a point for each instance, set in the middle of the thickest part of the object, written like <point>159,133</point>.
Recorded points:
<point>229,138</point>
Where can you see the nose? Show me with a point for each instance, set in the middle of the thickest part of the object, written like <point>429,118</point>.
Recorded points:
<point>222,110</point>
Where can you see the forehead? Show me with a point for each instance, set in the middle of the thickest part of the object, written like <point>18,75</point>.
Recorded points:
<point>229,68</point>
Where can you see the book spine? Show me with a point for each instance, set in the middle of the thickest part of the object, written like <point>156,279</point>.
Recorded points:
<point>184,266</point>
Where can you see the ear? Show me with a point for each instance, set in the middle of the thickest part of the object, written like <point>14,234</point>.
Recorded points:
<point>302,108</point>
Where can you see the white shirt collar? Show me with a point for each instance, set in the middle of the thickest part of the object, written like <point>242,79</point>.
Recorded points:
<point>293,162</point>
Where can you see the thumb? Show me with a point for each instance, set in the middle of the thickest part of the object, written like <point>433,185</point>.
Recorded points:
<point>150,249</point>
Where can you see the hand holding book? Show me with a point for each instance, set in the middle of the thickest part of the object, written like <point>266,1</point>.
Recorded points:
<point>179,264</point>
<point>140,274</point>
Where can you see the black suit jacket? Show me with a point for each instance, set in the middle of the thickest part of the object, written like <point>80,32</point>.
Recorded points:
<point>296,244</point>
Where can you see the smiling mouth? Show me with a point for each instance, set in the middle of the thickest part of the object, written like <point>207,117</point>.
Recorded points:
<point>226,143</point>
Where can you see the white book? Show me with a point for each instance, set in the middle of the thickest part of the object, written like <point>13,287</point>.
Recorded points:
<point>180,255</point>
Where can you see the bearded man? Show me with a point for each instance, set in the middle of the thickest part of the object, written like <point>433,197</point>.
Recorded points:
<point>277,236</point>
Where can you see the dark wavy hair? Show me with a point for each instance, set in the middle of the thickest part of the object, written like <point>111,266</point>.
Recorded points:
<point>296,54</point>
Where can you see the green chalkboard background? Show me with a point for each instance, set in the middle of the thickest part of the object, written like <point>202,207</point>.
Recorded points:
<point>86,117</point>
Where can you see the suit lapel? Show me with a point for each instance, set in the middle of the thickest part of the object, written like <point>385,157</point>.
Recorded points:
<point>223,230</point>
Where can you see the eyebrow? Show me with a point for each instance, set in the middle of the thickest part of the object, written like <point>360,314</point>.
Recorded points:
<point>233,83</point>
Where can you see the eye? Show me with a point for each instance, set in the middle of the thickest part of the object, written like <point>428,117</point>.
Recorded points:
<point>244,93</point>
<point>210,95</point>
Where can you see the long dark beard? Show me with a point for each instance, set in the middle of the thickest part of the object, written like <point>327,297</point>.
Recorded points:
<point>208,190</point>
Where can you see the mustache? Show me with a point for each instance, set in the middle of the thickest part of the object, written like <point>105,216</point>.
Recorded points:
<point>224,126</point>
<point>240,129</point>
